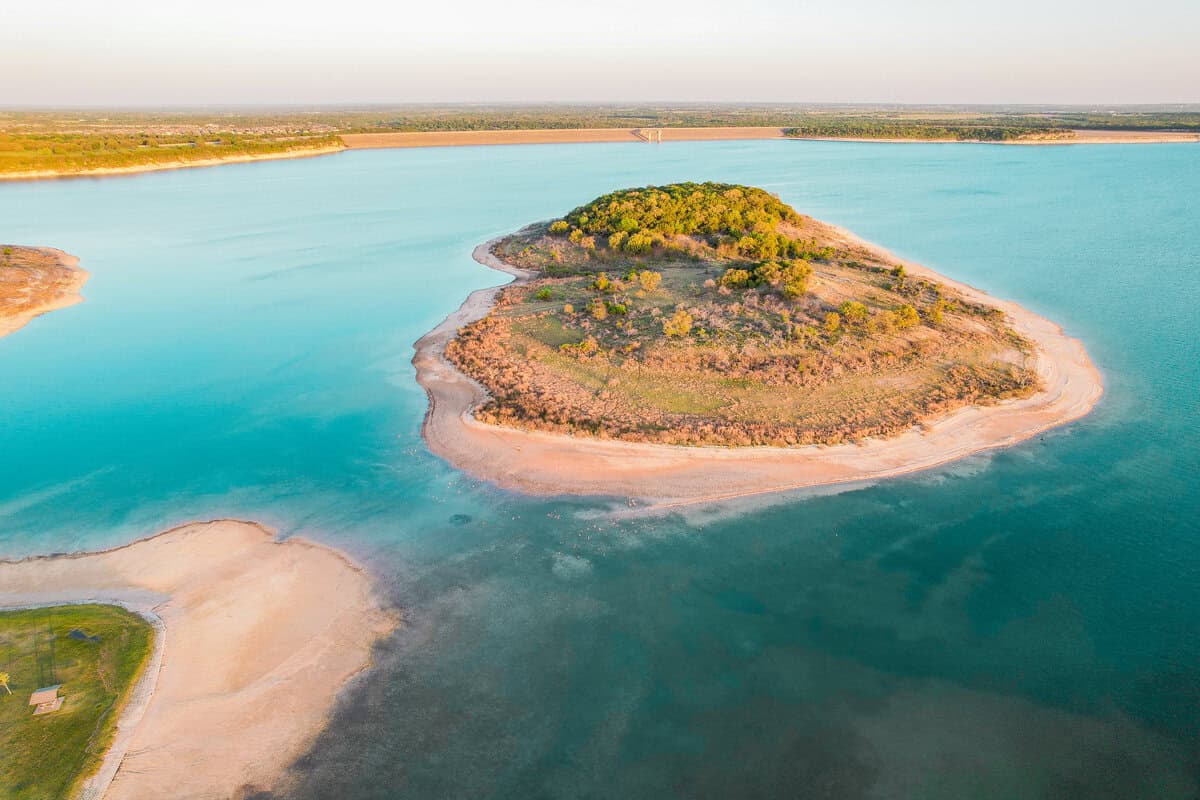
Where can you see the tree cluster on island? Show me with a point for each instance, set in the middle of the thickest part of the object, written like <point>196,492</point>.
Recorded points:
<point>730,320</point>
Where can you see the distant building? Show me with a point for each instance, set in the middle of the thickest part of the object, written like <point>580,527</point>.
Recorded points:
<point>47,700</point>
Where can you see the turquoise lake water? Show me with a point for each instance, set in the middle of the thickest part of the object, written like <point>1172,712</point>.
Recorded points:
<point>1018,625</point>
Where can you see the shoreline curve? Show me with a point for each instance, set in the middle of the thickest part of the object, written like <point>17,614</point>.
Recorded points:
<point>258,637</point>
<point>548,464</point>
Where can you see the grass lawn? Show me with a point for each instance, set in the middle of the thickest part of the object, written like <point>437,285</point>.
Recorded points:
<point>48,756</point>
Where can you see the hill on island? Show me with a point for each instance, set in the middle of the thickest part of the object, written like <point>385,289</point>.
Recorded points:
<point>715,314</point>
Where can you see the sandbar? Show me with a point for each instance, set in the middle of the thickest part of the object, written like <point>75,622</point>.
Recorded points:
<point>547,464</point>
<point>257,637</point>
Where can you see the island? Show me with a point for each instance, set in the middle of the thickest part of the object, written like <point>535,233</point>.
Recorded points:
<point>254,639</point>
<point>700,341</point>
<point>35,280</point>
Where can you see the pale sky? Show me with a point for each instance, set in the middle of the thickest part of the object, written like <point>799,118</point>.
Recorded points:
<point>165,52</point>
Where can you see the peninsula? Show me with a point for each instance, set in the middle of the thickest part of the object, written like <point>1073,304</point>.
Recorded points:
<point>701,341</point>
<point>35,280</point>
<point>256,637</point>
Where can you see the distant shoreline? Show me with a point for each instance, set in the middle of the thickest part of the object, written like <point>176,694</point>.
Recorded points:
<point>360,141</point>
<point>109,172</point>
<point>413,139</point>
<point>258,637</point>
<point>547,464</point>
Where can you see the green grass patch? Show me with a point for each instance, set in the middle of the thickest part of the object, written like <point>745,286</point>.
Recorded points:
<point>47,757</point>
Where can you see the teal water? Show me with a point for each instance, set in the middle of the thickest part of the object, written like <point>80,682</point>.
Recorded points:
<point>1023,624</point>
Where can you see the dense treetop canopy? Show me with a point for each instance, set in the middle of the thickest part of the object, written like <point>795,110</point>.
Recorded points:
<point>683,209</point>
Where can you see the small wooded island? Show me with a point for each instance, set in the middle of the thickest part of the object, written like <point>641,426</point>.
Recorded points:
<point>715,314</point>
<point>716,317</point>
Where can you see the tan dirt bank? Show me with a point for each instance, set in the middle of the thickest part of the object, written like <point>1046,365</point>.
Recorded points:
<point>549,464</point>
<point>259,637</point>
<point>34,281</point>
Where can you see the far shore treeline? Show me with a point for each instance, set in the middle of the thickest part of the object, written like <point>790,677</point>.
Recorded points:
<point>69,141</point>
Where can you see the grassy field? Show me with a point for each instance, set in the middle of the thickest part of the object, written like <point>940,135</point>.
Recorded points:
<point>46,757</point>
<point>714,314</point>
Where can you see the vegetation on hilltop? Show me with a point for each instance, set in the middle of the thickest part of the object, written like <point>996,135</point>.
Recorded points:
<point>97,653</point>
<point>708,313</point>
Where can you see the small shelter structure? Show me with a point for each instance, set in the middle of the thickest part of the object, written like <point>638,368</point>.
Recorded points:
<point>46,700</point>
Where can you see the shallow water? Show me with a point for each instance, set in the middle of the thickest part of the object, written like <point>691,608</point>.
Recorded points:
<point>1016,625</point>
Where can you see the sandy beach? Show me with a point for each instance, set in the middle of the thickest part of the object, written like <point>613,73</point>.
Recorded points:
<point>663,475</point>
<point>40,175</point>
<point>256,639</point>
<point>43,290</point>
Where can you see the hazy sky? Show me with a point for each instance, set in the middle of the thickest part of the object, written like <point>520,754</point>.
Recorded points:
<point>72,52</point>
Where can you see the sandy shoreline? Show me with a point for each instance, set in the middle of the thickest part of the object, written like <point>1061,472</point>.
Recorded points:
<point>67,293</point>
<point>257,638</point>
<point>542,463</point>
<point>108,172</point>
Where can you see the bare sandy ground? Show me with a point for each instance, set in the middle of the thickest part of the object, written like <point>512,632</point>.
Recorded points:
<point>663,475</point>
<point>52,293</point>
<point>49,174</point>
<point>257,638</point>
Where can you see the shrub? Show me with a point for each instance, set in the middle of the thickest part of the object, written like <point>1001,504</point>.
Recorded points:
<point>588,243</point>
<point>883,321</point>
<point>936,312</point>
<point>585,348</point>
<point>616,240</point>
<point>568,309</point>
<point>833,321</point>
<point>649,280</point>
<point>735,278</point>
<point>598,309</point>
<point>795,279</point>
<point>906,317</point>
<point>559,227</point>
<point>853,312</point>
<point>544,294</point>
<point>601,283</point>
<point>638,243</point>
<point>619,309</point>
<point>680,324</point>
